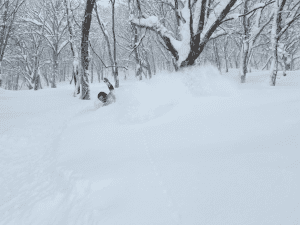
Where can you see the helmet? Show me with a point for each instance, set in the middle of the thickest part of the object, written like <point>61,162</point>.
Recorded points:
<point>102,96</point>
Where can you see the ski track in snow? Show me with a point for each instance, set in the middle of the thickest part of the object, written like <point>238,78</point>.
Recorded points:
<point>191,156</point>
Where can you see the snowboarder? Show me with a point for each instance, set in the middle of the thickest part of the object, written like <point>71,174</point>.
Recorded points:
<point>109,98</point>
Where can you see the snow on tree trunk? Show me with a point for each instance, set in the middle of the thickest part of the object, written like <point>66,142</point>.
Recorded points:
<point>243,65</point>
<point>204,32</point>
<point>245,43</point>
<point>284,60</point>
<point>274,44</point>
<point>86,24</point>
<point>274,64</point>
<point>54,70</point>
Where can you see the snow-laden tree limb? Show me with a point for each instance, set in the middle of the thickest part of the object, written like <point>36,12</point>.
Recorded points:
<point>195,28</point>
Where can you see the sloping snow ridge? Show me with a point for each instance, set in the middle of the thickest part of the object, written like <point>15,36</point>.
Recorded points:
<point>193,147</point>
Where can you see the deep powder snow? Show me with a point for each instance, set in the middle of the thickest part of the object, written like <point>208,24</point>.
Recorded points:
<point>194,147</point>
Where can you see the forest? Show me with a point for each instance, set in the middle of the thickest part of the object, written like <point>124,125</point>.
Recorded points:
<point>45,42</point>
<point>200,125</point>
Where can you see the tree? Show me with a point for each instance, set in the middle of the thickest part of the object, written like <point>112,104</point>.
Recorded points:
<point>195,30</point>
<point>86,24</point>
<point>53,17</point>
<point>251,32</point>
<point>30,48</point>
<point>73,46</point>
<point>279,27</point>
<point>111,53</point>
<point>8,10</point>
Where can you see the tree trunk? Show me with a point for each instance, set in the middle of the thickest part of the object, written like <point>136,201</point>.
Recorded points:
<point>245,44</point>
<point>1,79</point>
<point>243,65</point>
<point>98,70</point>
<point>102,72</point>
<point>85,89</point>
<point>274,41</point>
<point>153,60</point>
<point>116,75</point>
<point>138,71</point>
<point>148,65</point>
<point>45,75</point>
<point>64,71</point>
<point>274,65</point>
<point>285,66</point>
<point>217,58</point>
<point>75,73</point>
<point>54,70</point>
<point>225,55</point>
<point>197,43</point>
<point>17,82</point>
<point>92,70</point>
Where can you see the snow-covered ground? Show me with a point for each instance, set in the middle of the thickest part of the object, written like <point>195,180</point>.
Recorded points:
<point>186,148</point>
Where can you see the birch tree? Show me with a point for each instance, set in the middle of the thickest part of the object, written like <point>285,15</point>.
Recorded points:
<point>280,24</point>
<point>251,32</point>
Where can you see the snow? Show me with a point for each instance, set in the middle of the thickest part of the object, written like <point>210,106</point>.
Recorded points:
<point>32,21</point>
<point>197,15</point>
<point>258,5</point>
<point>193,147</point>
<point>153,22</point>
<point>213,16</point>
<point>184,49</point>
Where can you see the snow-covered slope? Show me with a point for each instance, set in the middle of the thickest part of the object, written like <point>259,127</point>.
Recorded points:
<point>185,148</point>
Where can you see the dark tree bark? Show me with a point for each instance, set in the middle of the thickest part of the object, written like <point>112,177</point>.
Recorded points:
<point>197,45</point>
<point>86,24</point>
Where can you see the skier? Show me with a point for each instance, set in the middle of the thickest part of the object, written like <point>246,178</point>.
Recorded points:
<point>109,98</point>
